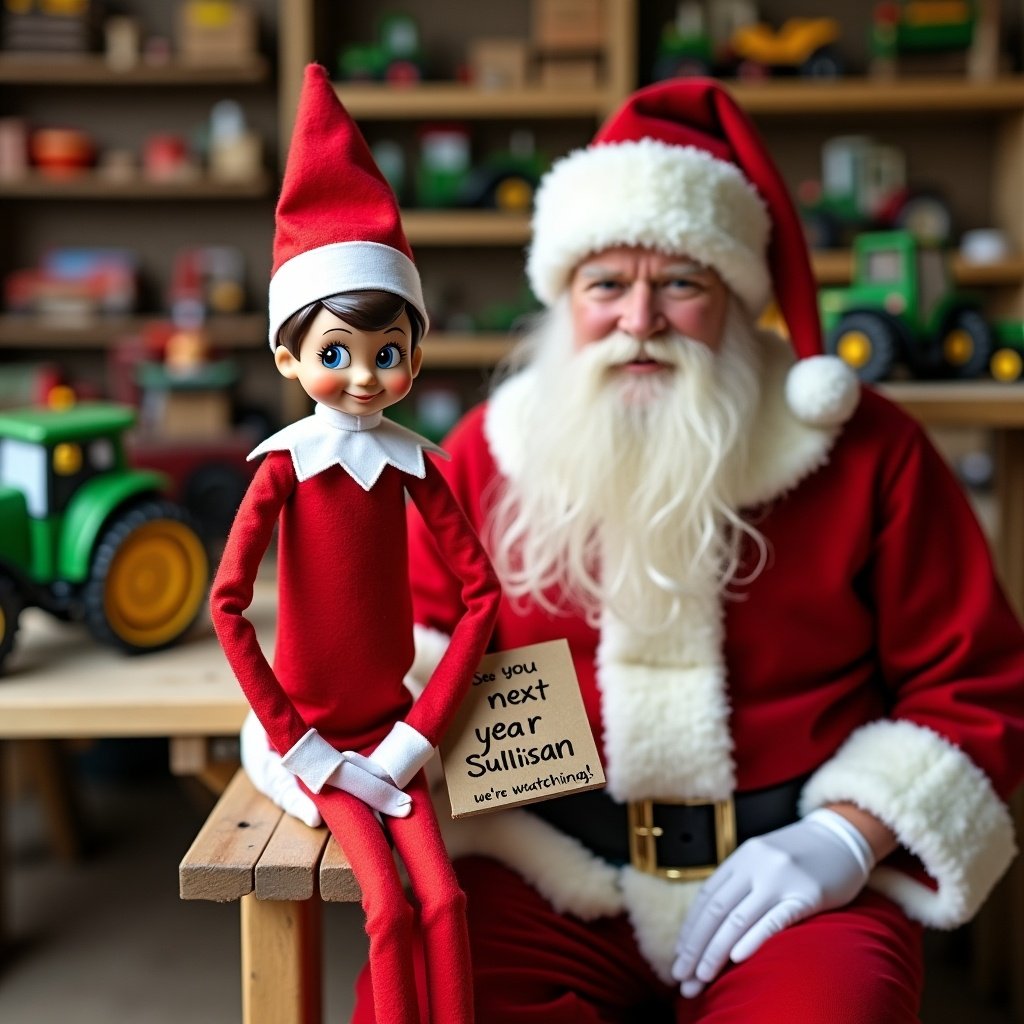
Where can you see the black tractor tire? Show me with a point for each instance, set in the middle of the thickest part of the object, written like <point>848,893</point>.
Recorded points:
<point>927,216</point>
<point>10,610</point>
<point>148,579</point>
<point>966,344</point>
<point>868,343</point>
<point>823,63</point>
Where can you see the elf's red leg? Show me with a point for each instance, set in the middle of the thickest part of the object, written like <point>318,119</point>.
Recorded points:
<point>442,910</point>
<point>389,918</point>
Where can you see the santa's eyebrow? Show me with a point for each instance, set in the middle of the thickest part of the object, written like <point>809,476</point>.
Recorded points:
<point>599,270</point>
<point>689,269</point>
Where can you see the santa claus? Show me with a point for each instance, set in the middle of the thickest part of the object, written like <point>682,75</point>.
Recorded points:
<point>805,679</point>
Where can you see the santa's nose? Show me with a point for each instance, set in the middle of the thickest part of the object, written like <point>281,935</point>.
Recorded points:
<point>641,316</point>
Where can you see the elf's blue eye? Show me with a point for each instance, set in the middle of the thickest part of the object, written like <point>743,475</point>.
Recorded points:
<point>335,357</point>
<point>389,357</point>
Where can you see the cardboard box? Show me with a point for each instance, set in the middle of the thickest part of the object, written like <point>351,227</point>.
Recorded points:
<point>499,63</point>
<point>216,32</point>
<point>569,72</point>
<point>568,25</point>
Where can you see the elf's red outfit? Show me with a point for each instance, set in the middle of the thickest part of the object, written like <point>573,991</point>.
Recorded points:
<point>344,644</point>
<point>335,486</point>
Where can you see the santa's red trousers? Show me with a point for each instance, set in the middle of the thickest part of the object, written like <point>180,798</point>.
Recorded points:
<point>389,917</point>
<point>861,964</point>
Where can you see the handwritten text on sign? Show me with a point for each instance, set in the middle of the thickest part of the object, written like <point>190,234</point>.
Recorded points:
<point>522,734</point>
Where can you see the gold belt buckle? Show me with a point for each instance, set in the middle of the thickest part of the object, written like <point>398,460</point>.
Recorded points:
<point>643,838</point>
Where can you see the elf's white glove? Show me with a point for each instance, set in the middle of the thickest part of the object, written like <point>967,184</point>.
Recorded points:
<point>318,764</point>
<point>769,883</point>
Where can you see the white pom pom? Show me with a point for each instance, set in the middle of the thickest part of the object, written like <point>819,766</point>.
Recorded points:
<point>822,391</point>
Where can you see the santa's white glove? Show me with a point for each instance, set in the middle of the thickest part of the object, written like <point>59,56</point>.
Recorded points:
<point>769,883</point>
<point>263,766</point>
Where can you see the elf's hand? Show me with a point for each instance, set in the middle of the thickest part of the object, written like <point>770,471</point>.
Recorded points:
<point>263,766</point>
<point>399,756</point>
<point>769,883</point>
<point>380,794</point>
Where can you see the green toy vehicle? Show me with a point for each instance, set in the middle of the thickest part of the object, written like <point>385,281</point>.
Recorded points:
<point>863,187</point>
<point>921,26</point>
<point>89,539</point>
<point>902,306</point>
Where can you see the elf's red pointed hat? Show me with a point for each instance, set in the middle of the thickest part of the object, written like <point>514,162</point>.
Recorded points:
<point>680,168</point>
<point>337,226</point>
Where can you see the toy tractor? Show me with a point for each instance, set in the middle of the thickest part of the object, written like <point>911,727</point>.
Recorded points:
<point>87,538</point>
<point>921,26</point>
<point>864,186</point>
<point>902,306</point>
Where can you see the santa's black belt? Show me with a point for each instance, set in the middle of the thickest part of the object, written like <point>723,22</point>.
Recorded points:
<point>677,840</point>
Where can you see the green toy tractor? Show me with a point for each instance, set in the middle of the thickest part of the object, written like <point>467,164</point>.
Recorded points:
<point>902,306</point>
<point>87,538</point>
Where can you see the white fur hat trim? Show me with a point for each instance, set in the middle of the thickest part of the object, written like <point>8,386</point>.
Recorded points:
<point>822,391</point>
<point>341,267</point>
<point>676,199</point>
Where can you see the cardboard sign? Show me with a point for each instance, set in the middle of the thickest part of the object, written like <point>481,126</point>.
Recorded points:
<point>521,734</point>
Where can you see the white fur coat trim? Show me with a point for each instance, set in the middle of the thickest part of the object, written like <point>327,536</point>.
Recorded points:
<point>938,802</point>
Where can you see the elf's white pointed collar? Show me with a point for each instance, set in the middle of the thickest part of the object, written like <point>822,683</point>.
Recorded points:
<point>361,445</point>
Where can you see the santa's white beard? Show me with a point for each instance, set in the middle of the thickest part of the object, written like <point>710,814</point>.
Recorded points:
<point>625,500</point>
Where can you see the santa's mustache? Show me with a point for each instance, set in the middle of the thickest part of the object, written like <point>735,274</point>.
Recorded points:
<point>620,349</point>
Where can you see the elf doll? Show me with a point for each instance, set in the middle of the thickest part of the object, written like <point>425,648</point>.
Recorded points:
<point>346,319</point>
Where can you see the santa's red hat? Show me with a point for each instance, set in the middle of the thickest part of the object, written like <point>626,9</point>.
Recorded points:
<point>680,168</point>
<point>337,225</point>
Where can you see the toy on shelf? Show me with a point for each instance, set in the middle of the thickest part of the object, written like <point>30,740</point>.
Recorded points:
<point>864,186</point>
<point>216,33</point>
<point>902,306</point>
<point>233,152</point>
<point>73,286</point>
<point>725,37</point>
<point>46,27</point>
<point>935,36</point>
<point>87,538</point>
<point>503,180</point>
<point>61,152</point>
<point>568,39</point>
<point>801,46</point>
<point>395,58</point>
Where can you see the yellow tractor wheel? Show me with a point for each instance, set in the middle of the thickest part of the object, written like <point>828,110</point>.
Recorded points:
<point>149,578</point>
<point>1006,365</point>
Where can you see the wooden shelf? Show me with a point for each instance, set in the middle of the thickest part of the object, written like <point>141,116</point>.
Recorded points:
<point>455,99</point>
<point>92,185</point>
<point>92,70</point>
<point>968,403</point>
<point>834,267</point>
<point>238,331</point>
<point>465,227</point>
<point>939,96</point>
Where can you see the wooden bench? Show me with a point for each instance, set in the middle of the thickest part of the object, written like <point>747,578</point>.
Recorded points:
<point>280,870</point>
